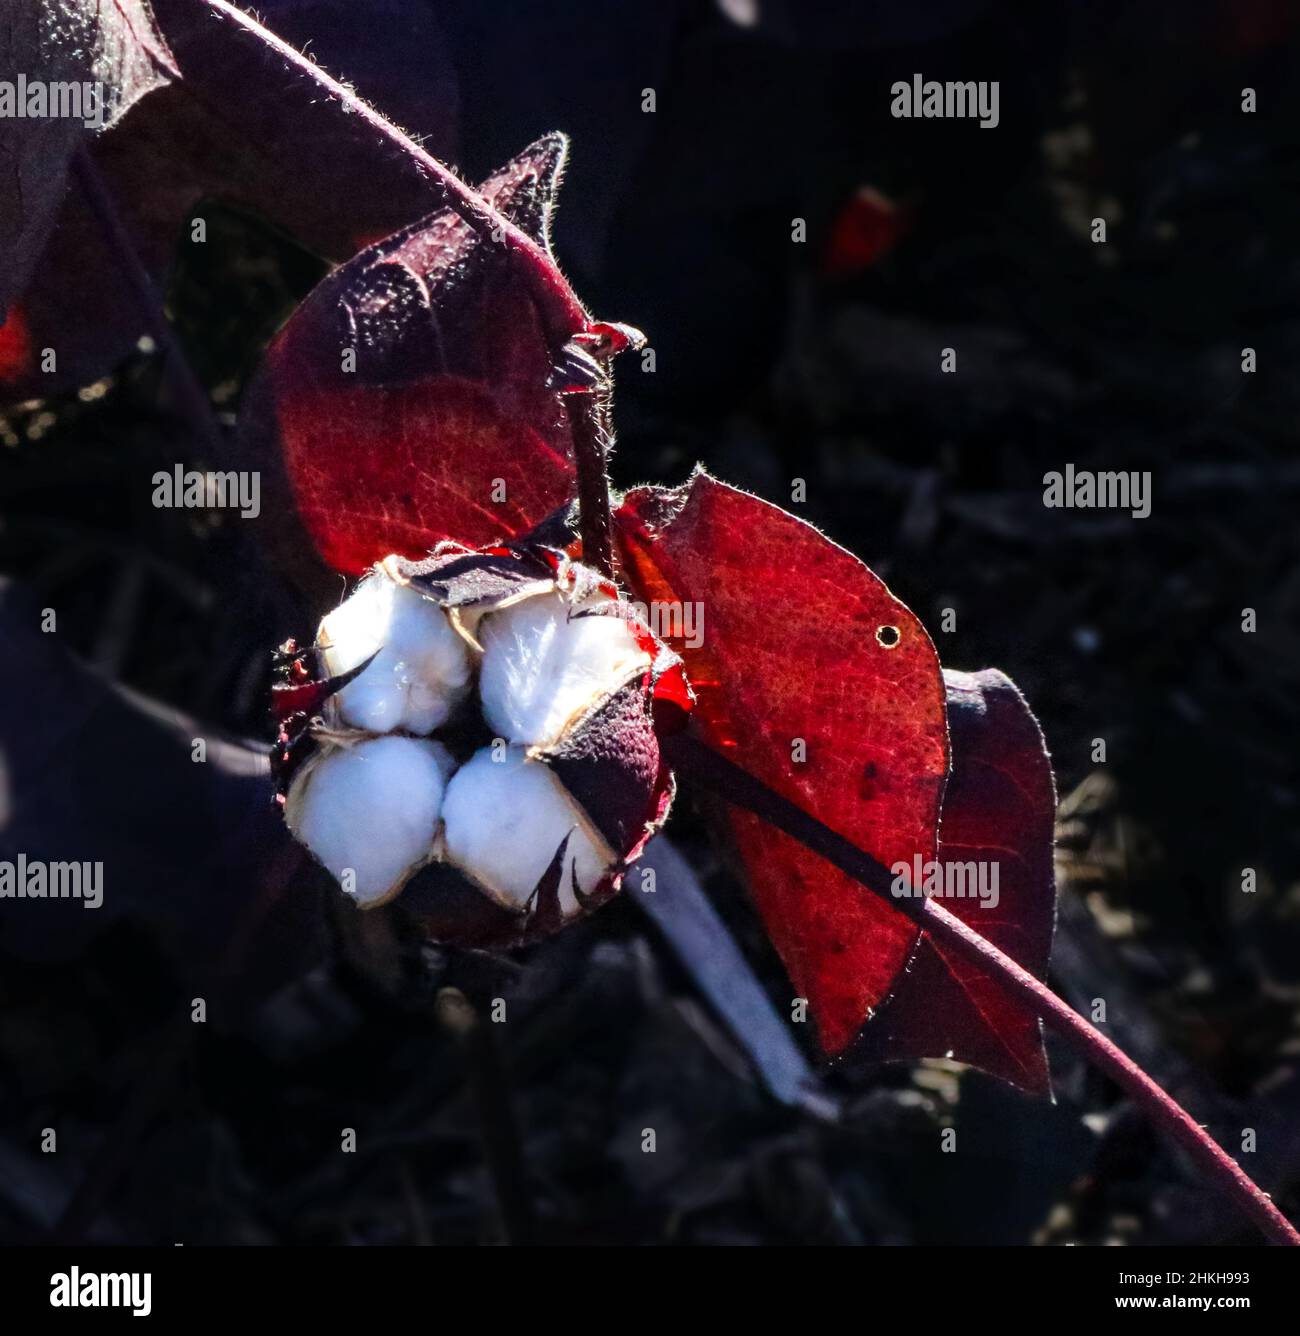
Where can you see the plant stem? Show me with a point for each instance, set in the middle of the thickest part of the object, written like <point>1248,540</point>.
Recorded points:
<point>462,1019</point>
<point>190,394</point>
<point>691,758</point>
<point>589,419</point>
<point>560,304</point>
<point>191,397</point>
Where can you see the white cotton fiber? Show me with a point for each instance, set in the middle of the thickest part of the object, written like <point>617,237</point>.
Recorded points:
<point>503,821</point>
<point>422,671</point>
<point>542,666</point>
<point>373,808</point>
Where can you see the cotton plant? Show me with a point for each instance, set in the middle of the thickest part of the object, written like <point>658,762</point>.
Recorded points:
<point>486,734</point>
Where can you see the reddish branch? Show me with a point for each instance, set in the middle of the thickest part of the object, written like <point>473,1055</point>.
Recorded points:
<point>1166,1112</point>
<point>717,773</point>
<point>559,304</point>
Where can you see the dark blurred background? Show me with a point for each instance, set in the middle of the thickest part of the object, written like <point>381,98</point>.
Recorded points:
<point>774,361</point>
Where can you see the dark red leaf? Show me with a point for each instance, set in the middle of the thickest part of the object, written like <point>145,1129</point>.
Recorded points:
<point>999,808</point>
<point>245,127</point>
<point>95,774</point>
<point>69,45</point>
<point>446,427</point>
<point>802,641</point>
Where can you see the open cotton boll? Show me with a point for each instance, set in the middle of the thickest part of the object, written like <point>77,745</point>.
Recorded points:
<point>502,823</point>
<point>373,808</point>
<point>544,663</point>
<point>422,670</point>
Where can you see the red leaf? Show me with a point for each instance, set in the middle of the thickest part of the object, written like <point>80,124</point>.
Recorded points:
<point>447,427</point>
<point>15,346</point>
<point>864,230</point>
<point>792,648</point>
<point>999,808</point>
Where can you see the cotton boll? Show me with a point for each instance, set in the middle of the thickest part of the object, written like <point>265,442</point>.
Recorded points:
<point>545,664</point>
<point>504,819</point>
<point>422,670</point>
<point>372,807</point>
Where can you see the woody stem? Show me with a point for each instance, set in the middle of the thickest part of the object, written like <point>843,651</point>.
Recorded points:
<point>589,419</point>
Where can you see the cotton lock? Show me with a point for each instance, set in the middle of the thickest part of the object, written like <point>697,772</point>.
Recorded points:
<point>371,810</point>
<point>548,661</point>
<point>506,819</point>
<point>421,668</point>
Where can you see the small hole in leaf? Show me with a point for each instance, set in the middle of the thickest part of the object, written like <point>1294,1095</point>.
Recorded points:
<point>888,636</point>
